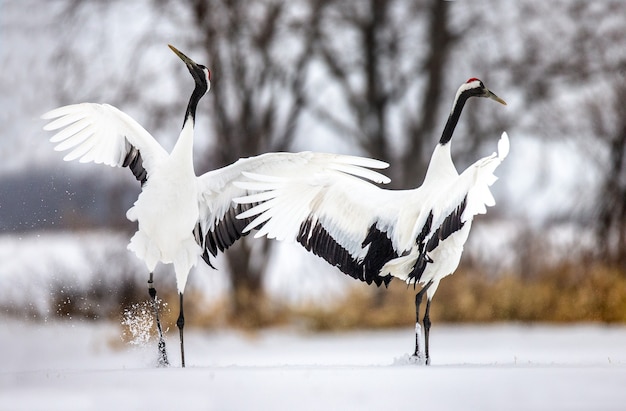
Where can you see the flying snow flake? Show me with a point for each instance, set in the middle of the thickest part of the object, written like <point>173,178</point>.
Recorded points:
<point>138,322</point>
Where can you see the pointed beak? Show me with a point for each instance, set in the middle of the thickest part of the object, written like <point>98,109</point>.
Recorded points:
<point>492,96</point>
<point>185,59</point>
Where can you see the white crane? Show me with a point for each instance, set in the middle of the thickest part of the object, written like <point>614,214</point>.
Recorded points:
<point>181,216</point>
<point>373,234</point>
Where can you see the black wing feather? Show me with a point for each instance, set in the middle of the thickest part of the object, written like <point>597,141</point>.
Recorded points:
<point>224,234</point>
<point>316,239</point>
<point>450,225</point>
<point>134,161</point>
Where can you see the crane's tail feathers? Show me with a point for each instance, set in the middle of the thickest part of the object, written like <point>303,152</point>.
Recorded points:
<point>131,214</point>
<point>145,250</point>
<point>400,267</point>
<point>482,176</point>
<point>185,260</point>
<point>503,146</point>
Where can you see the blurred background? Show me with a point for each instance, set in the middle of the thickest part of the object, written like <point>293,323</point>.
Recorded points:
<point>368,77</point>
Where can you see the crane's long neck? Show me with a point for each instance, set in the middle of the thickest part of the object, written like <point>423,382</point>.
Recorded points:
<point>183,149</point>
<point>453,119</point>
<point>441,168</point>
<point>197,94</point>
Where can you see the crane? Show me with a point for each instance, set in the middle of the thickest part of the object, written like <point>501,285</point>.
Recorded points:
<point>375,234</point>
<point>181,216</point>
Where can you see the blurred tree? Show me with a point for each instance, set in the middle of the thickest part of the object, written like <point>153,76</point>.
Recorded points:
<point>611,203</point>
<point>387,48</point>
<point>569,63</point>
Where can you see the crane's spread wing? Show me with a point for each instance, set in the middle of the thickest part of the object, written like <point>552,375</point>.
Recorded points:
<point>347,221</point>
<point>218,228</point>
<point>367,232</point>
<point>101,133</point>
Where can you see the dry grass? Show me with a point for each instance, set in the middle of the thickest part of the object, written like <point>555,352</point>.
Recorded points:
<point>565,293</point>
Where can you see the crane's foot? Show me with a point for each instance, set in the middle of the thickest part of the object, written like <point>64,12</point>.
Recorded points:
<point>418,359</point>
<point>410,360</point>
<point>162,360</point>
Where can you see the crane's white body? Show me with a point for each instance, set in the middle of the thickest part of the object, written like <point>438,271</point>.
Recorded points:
<point>167,210</point>
<point>176,209</point>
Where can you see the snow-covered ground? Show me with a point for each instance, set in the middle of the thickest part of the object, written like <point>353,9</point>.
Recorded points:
<point>84,366</point>
<point>78,365</point>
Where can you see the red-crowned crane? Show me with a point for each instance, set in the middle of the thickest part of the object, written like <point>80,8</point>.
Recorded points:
<point>373,234</point>
<point>181,216</point>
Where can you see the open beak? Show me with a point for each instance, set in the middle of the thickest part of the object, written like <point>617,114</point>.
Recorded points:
<point>490,95</point>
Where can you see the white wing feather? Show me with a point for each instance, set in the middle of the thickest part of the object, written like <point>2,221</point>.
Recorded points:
<point>101,133</point>
<point>218,188</point>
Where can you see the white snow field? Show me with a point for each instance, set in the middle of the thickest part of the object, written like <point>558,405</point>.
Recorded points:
<point>75,365</point>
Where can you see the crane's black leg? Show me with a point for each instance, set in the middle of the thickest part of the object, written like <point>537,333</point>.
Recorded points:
<point>427,324</point>
<point>163,362</point>
<point>181,323</point>
<point>418,302</point>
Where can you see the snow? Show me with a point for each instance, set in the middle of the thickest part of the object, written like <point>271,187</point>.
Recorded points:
<point>85,366</point>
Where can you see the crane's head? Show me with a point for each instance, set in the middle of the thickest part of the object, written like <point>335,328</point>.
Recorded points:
<point>200,74</point>
<point>475,88</point>
<point>471,88</point>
